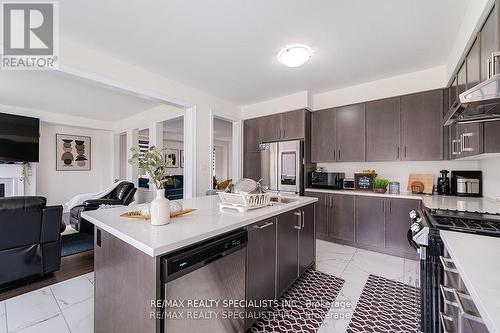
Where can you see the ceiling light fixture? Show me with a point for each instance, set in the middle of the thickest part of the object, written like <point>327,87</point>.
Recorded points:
<point>294,55</point>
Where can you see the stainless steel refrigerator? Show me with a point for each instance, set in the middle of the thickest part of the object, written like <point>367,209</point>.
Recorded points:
<point>282,165</point>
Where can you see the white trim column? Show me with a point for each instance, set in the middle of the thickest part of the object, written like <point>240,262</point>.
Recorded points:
<point>190,152</point>
<point>132,170</point>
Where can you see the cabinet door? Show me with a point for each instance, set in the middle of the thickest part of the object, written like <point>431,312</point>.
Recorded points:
<point>422,131</point>
<point>293,125</point>
<point>322,207</point>
<point>492,137</point>
<point>350,133</point>
<point>453,92</point>
<point>370,221</point>
<point>473,65</point>
<point>251,165</point>
<point>251,134</point>
<point>397,223</point>
<point>261,264</point>
<point>488,43</point>
<point>342,217</point>
<point>288,247</point>
<point>307,238</point>
<point>455,143</point>
<point>323,147</point>
<point>382,130</point>
<point>270,128</point>
<point>462,79</point>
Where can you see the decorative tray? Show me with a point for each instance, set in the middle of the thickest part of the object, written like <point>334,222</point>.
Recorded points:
<point>142,215</point>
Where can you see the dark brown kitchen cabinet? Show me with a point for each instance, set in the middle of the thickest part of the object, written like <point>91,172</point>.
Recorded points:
<point>462,79</point>
<point>492,137</point>
<point>470,139</point>
<point>382,130</point>
<point>323,146</point>
<point>261,265</point>
<point>350,133</point>
<point>288,247</point>
<point>341,218</point>
<point>421,126</point>
<point>473,65</point>
<point>307,238</point>
<point>453,96</point>
<point>370,229</point>
<point>293,125</point>
<point>251,165</point>
<point>270,128</point>
<point>489,42</point>
<point>251,135</point>
<point>397,223</point>
<point>322,207</point>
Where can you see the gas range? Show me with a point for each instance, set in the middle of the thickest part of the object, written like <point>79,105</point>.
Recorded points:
<point>477,223</point>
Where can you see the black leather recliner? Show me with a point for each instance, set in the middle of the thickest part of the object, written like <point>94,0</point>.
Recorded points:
<point>123,194</point>
<point>30,238</point>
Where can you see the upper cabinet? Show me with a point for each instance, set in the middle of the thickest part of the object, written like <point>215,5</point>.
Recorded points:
<point>421,126</point>
<point>489,42</point>
<point>382,130</point>
<point>293,125</point>
<point>251,134</point>
<point>323,146</point>
<point>270,128</point>
<point>473,65</point>
<point>350,133</point>
<point>462,78</point>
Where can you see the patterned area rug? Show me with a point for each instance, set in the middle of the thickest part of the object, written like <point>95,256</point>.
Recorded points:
<point>386,306</point>
<point>304,305</point>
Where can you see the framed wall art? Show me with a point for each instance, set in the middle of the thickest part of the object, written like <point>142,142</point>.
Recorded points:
<point>172,158</point>
<point>73,152</point>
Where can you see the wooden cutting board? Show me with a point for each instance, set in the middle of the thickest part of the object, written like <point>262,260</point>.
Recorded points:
<point>425,178</point>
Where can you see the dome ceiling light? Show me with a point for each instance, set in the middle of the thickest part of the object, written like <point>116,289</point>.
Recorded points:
<point>294,55</point>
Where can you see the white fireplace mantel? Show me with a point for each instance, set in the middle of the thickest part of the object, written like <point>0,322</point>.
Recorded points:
<point>11,176</point>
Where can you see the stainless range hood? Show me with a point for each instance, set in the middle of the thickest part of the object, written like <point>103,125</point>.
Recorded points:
<point>481,103</point>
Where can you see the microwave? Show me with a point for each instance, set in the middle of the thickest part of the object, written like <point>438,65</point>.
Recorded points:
<point>326,180</point>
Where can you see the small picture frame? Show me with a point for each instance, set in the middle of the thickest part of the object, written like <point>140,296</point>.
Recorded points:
<point>73,152</point>
<point>171,158</point>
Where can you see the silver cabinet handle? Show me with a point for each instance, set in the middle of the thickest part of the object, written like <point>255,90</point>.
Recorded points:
<point>442,319</point>
<point>494,57</point>
<point>488,66</point>
<point>455,144</point>
<point>299,215</point>
<point>335,154</point>
<point>444,290</point>
<point>448,265</point>
<point>405,151</point>
<point>398,153</point>
<point>465,314</point>
<point>303,218</point>
<point>283,133</point>
<point>339,154</point>
<point>263,226</point>
<point>465,145</point>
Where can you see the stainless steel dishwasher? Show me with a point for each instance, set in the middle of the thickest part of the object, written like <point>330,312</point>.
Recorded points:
<point>203,286</point>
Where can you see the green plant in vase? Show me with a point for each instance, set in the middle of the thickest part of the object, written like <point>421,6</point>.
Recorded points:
<point>380,185</point>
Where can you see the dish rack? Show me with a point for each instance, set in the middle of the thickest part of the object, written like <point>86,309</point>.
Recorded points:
<point>244,202</point>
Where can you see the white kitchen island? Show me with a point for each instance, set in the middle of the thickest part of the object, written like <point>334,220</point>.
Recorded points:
<point>127,254</point>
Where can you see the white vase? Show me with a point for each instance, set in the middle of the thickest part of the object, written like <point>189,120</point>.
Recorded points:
<point>160,209</point>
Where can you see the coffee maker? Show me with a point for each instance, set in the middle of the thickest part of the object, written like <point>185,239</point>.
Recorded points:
<point>443,185</point>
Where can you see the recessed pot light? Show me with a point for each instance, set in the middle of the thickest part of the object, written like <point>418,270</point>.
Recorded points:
<point>294,55</point>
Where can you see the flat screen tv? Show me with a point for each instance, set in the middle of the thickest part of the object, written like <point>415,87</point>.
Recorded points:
<point>19,137</point>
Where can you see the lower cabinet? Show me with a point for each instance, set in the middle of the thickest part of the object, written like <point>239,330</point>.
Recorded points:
<point>370,222</point>
<point>261,265</point>
<point>279,250</point>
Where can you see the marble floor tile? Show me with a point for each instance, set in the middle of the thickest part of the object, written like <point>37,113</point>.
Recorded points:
<point>80,317</point>
<point>338,317</point>
<point>3,318</point>
<point>30,308</point>
<point>72,291</point>
<point>332,258</point>
<point>412,273</point>
<point>56,324</point>
<point>379,264</point>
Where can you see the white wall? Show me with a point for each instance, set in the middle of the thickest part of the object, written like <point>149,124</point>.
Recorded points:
<point>60,186</point>
<point>291,102</point>
<point>491,178</point>
<point>75,56</point>
<point>432,78</point>
<point>399,171</point>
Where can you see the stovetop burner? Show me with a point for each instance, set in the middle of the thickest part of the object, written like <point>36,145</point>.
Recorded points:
<point>479,223</point>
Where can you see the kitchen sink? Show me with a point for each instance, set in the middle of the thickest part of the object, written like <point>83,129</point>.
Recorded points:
<point>283,200</point>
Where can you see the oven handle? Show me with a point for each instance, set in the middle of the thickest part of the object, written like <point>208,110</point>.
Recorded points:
<point>443,318</point>
<point>450,290</point>
<point>409,236</point>
<point>463,313</point>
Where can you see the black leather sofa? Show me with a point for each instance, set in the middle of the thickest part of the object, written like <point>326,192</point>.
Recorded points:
<point>122,194</point>
<point>30,238</point>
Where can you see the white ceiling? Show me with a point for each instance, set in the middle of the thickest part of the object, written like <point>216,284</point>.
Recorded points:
<point>228,48</point>
<point>53,92</point>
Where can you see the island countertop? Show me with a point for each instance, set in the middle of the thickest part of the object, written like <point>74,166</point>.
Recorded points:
<point>206,222</point>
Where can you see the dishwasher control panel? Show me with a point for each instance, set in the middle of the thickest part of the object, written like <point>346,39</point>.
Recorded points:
<point>198,255</point>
